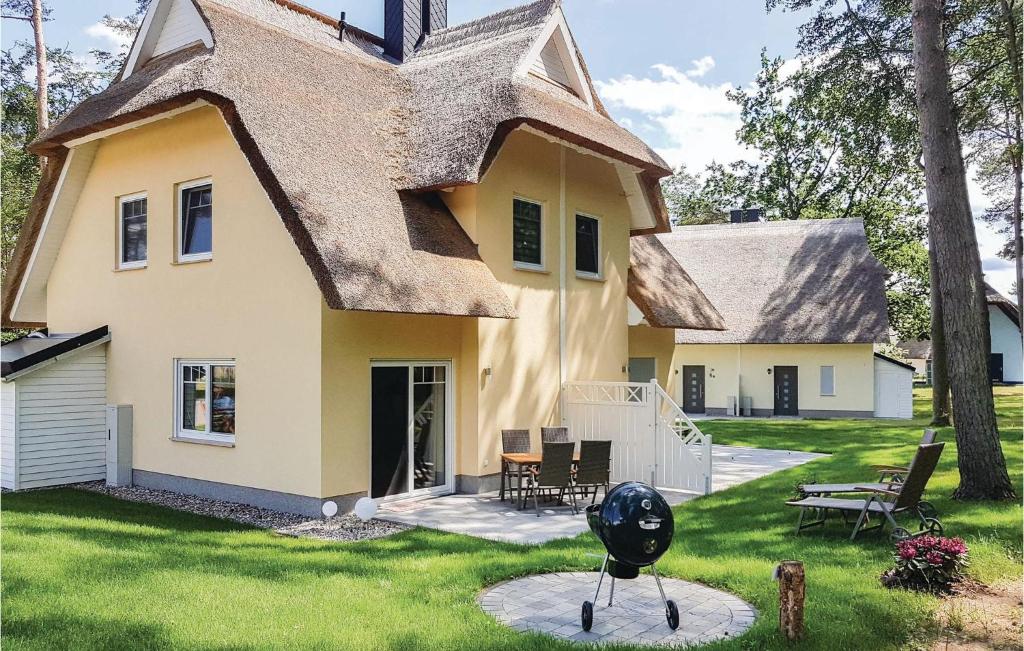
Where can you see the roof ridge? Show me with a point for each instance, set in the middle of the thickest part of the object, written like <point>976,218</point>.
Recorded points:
<point>441,39</point>
<point>775,224</point>
<point>511,11</point>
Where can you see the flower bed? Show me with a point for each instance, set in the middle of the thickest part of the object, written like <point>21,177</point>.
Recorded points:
<point>930,563</point>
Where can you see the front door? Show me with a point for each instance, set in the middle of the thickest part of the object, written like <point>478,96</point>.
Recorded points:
<point>410,429</point>
<point>693,389</point>
<point>995,367</point>
<point>786,391</point>
<point>642,369</point>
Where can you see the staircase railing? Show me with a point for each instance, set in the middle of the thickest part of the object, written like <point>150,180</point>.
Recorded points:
<point>684,451</point>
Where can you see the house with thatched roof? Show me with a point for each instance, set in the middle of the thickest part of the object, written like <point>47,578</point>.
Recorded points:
<point>1005,357</point>
<point>333,264</point>
<point>805,304</point>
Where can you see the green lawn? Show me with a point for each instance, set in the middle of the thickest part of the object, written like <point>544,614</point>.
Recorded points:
<point>84,571</point>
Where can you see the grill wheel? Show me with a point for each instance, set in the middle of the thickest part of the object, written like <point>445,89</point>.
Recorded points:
<point>587,615</point>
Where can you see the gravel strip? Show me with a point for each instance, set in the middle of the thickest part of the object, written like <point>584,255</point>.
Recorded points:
<point>341,527</point>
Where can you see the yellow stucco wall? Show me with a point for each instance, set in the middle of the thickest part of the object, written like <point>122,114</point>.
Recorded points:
<point>523,354</point>
<point>854,373</point>
<point>351,342</point>
<point>255,301</point>
<point>659,343</point>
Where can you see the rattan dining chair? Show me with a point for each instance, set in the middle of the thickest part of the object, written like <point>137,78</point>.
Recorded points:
<point>554,435</point>
<point>594,468</point>
<point>512,440</point>
<point>555,472</point>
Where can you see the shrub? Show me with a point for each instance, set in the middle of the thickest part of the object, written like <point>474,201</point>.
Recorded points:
<point>931,563</point>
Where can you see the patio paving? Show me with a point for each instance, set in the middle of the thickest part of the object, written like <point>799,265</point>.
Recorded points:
<point>485,516</point>
<point>551,603</point>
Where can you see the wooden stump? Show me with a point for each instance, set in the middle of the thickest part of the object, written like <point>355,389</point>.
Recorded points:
<point>791,599</point>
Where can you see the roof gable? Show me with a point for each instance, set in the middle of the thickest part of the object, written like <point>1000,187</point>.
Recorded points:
<point>169,25</point>
<point>555,59</point>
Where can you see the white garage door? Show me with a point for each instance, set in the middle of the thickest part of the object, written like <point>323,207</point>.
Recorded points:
<point>894,390</point>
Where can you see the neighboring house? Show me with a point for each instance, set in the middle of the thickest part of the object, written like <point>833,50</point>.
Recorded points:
<point>335,265</point>
<point>804,302</point>
<point>1006,361</point>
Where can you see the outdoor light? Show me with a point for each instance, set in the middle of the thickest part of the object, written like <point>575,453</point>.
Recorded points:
<point>769,371</point>
<point>487,371</point>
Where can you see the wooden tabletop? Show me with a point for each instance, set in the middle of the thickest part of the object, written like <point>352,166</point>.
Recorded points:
<point>528,458</point>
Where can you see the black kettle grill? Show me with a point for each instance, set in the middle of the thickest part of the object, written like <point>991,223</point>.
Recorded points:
<point>635,524</point>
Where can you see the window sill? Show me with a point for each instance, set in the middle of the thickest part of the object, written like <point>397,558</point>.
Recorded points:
<point>597,278</point>
<point>131,267</point>
<point>530,268</point>
<point>199,441</point>
<point>181,261</point>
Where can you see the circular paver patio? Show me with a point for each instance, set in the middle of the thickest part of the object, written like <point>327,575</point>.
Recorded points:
<point>550,603</point>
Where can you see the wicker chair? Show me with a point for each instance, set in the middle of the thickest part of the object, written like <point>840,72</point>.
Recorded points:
<point>512,440</point>
<point>594,468</point>
<point>554,435</point>
<point>554,473</point>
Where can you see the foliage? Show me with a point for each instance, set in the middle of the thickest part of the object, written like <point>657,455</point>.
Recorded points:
<point>171,580</point>
<point>930,563</point>
<point>70,81</point>
<point>111,62</point>
<point>891,350</point>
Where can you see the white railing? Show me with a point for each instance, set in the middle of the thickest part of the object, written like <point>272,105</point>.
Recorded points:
<point>652,439</point>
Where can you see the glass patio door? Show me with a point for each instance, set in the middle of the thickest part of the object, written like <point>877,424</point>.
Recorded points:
<point>411,429</point>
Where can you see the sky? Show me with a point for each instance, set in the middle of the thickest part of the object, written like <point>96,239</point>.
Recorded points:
<point>662,67</point>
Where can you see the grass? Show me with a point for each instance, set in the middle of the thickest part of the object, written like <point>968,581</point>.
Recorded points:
<point>85,571</point>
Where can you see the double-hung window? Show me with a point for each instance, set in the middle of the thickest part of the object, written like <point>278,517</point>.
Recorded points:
<point>588,246</point>
<point>131,232</point>
<point>204,399</point>
<point>527,235</point>
<point>828,381</point>
<point>195,223</point>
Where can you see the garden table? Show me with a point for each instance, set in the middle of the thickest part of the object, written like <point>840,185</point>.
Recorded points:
<point>522,459</point>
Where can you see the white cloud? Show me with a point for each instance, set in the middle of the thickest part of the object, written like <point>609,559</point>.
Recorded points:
<point>701,66</point>
<point>694,123</point>
<point>105,33</point>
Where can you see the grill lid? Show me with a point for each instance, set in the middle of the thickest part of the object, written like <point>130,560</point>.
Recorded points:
<point>634,522</point>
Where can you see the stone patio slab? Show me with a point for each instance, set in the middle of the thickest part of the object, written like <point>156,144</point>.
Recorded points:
<point>485,516</point>
<point>639,620</point>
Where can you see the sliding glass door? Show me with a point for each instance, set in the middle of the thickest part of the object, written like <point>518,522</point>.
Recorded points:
<point>411,429</point>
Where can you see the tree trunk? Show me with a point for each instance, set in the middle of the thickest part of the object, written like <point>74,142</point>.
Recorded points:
<point>42,100</point>
<point>791,599</point>
<point>1016,155</point>
<point>940,376</point>
<point>964,312</point>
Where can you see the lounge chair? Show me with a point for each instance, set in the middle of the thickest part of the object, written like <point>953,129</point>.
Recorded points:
<point>887,503</point>
<point>895,475</point>
<point>554,473</point>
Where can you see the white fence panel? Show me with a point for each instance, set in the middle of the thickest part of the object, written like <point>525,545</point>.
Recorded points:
<point>652,439</point>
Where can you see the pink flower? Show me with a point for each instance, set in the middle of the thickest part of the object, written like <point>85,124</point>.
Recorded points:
<point>934,558</point>
<point>907,552</point>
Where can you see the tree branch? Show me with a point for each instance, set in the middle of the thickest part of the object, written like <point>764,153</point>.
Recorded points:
<point>27,19</point>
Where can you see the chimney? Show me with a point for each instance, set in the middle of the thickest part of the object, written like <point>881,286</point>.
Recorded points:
<point>406,22</point>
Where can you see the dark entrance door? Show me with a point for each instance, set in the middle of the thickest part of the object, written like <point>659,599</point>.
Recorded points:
<point>693,389</point>
<point>786,391</point>
<point>995,367</point>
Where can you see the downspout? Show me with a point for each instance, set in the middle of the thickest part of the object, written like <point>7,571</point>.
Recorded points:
<point>563,307</point>
<point>739,381</point>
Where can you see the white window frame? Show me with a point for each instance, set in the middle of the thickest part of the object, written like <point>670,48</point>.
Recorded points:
<point>182,434</point>
<point>180,231</point>
<point>575,257</point>
<point>529,266</point>
<point>821,368</point>
<point>134,264</point>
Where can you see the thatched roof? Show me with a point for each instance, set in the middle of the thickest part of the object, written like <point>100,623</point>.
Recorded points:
<point>995,298</point>
<point>917,349</point>
<point>788,282</point>
<point>663,292</point>
<point>348,145</point>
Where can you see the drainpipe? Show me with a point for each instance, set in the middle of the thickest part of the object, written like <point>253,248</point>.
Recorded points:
<point>739,382</point>
<point>563,307</point>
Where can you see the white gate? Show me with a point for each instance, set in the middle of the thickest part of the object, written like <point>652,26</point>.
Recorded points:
<point>652,439</point>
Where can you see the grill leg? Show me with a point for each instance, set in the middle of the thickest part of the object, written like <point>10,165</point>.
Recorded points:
<point>604,565</point>
<point>657,580</point>
<point>611,595</point>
